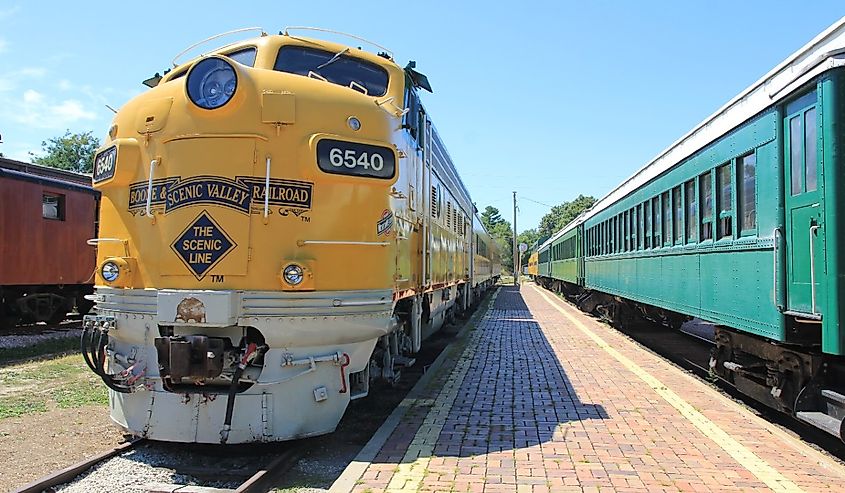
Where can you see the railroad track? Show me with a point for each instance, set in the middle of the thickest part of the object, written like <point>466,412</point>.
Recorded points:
<point>691,351</point>
<point>34,329</point>
<point>238,476</point>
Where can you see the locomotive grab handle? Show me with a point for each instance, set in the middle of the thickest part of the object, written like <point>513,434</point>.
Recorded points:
<point>97,241</point>
<point>267,191</point>
<point>153,164</point>
<point>813,229</point>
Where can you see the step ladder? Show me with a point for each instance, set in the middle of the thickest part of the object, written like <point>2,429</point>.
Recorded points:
<point>830,416</point>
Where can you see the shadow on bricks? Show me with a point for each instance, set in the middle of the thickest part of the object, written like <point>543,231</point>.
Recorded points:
<point>509,393</point>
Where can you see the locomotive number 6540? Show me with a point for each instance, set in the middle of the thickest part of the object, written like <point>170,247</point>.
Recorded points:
<point>351,158</point>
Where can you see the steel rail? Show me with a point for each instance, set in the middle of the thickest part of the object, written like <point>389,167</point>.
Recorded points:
<point>69,473</point>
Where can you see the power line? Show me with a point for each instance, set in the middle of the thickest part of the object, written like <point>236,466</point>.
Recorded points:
<point>537,202</point>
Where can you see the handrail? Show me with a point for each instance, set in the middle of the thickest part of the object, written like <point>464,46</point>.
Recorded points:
<point>342,243</point>
<point>341,33</point>
<point>206,40</point>
<point>813,228</point>
<point>775,235</point>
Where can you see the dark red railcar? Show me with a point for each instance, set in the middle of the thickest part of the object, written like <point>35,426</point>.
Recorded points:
<point>46,266</point>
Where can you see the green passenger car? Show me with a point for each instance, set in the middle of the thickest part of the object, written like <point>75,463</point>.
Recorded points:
<point>738,223</point>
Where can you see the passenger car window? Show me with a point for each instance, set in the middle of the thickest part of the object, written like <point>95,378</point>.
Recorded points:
<point>747,192</point>
<point>706,188</point>
<point>692,212</point>
<point>678,214</point>
<point>723,195</point>
<point>667,219</point>
<point>344,70</point>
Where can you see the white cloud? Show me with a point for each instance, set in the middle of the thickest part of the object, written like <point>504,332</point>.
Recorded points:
<point>32,72</point>
<point>72,111</point>
<point>35,110</point>
<point>31,97</point>
<point>64,85</point>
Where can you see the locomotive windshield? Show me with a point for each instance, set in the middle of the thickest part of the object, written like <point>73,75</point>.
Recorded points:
<point>336,68</point>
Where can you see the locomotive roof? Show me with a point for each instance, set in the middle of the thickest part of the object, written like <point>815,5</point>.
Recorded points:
<point>826,51</point>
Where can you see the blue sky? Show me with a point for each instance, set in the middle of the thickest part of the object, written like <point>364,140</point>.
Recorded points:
<point>550,99</point>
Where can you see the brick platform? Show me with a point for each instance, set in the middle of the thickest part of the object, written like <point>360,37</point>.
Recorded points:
<point>540,397</point>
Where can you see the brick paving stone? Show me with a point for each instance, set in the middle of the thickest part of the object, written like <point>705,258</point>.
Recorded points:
<point>534,404</point>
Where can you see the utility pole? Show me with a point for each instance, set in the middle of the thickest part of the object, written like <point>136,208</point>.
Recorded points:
<point>515,251</point>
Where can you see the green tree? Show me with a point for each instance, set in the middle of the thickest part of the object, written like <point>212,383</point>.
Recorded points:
<point>491,217</point>
<point>563,214</point>
<point>502,234</point>
<point>72,152</point>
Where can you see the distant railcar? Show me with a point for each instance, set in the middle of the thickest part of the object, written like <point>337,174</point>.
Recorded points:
<point>739,223</point>
<point>46,217</point>
<point>533,260</point>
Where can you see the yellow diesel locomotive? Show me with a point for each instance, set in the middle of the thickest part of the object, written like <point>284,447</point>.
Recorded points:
<point>280,225</point>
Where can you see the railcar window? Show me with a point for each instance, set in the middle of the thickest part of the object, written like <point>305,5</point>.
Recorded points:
<point>810,157</point>
<point>667,219</point>
<point>656,221</point>
<point>343,70</point>
<point>612,234</point>
<point>620,233</point>
<point>244,57</point>
<point>412,117</point>
<point>692,213</point>
<point>747,192</point>
<point>647,223</point>
<point>640,226</point>
<point>796,135</point>
<point>632,227</point>
<point>678,211</point>
<point>723,177</point>
<point>626,231</point>
<point>706,188</point>
<point>602,241</point>
<point>53,206</point>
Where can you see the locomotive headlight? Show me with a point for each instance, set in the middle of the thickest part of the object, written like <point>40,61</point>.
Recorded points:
<point>110,271</point>
<point>211,83</point>
<point>293,274</point>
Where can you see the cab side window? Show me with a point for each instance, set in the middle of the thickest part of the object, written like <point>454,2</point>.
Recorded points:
<point>412,119</point>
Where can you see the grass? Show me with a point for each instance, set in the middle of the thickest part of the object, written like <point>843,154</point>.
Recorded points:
<point>60,382</point>
<point>21,406</point>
